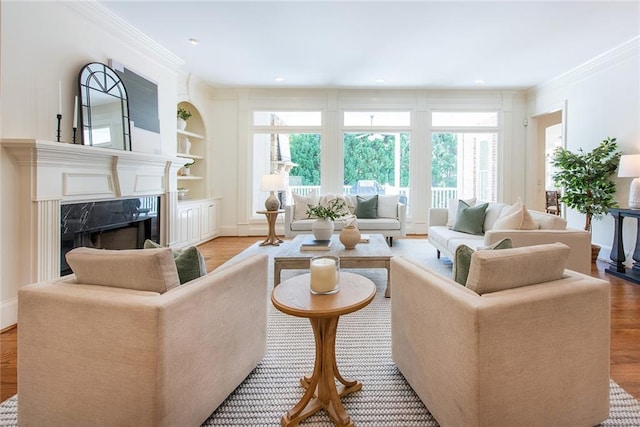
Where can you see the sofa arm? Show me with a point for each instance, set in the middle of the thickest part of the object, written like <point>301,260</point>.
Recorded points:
<point>438,216</point>
<point>578,240</point>
<point>402,218</point>
<point>288,218</point>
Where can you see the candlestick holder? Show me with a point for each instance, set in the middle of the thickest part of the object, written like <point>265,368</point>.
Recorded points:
<point>74,135</point>
<point>59,116</point>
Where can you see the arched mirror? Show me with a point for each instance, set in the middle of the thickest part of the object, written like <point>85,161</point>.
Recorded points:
<point>104,108</point>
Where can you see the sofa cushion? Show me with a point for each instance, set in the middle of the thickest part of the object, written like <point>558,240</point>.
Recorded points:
<point>463,255</point>
<point>367,207</point>
<point>368,224</point>
<point>301,204</point>
<point>388,205</point>
<point>189,261</point>
<point>144,270</point>
<point>470,219</point>
<point>453,209</point>
<point>516,217</point>
<point>493,271</point>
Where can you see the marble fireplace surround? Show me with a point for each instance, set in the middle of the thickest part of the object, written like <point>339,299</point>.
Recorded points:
<point>50,174</point>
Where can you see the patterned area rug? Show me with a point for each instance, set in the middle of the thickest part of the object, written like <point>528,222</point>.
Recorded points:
<point>363,348</point>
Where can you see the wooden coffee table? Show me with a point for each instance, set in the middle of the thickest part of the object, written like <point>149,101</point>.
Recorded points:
<point>294,297</point>
<point>375,254</point>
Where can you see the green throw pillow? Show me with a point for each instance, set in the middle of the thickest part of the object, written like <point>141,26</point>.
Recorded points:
<point>189,262</point>
<point>462,260</point>
<point>367,208</point>
<point>470,219</point>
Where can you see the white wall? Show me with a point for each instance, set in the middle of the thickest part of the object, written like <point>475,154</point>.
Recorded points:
<point>230,130</point>
<point>43,43</point>
<point>602,99</point>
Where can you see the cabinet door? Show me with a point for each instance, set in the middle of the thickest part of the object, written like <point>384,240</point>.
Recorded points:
<point>184,213</point>
<point>194,225</point>
<point>209,218</point>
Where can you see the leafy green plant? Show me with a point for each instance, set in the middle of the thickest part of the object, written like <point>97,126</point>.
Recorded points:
<point>334,210</point>
<point>587,178</point>
<point>184,114</point>
<point>188,165</point>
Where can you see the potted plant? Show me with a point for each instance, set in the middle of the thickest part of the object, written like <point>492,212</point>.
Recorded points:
<point>323,227</point>
<point>587,180</point>
<point>183,116</point>
<point>185,168</point>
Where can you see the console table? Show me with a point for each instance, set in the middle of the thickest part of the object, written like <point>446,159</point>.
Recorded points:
<point>617,267</point>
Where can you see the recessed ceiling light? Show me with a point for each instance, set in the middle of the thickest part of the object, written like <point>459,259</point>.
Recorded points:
<point>278,79</point>
<point>479,82</point>
<point>379,80</point>
<point>194,41</point>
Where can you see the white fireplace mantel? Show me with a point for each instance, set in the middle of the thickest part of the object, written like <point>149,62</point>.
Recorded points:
<point>71,172</point>
<point>48,174</point>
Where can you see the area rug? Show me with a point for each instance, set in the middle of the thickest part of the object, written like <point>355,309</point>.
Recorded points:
<point>363,348</point>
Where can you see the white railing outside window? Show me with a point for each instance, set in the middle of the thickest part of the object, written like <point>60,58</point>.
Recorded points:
<point>439,196</point>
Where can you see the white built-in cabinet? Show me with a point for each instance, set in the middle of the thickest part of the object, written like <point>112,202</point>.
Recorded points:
<point>197,212</point>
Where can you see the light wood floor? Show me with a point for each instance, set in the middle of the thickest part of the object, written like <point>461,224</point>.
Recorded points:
<point>625,322</point>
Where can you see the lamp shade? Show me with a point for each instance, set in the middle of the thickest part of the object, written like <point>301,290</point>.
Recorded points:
<point>273,182</point>
<point>629,166</point>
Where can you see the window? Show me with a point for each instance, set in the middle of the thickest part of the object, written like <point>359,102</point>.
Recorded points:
<point>376,153</point>
<point>464,158</point>
<point>283,143</point>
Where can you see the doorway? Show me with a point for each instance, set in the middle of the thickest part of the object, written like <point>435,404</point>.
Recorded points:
<point>549,134</point>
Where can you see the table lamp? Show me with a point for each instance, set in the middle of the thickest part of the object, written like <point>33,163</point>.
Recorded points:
<point>630,168</point>
<point>272,183</point>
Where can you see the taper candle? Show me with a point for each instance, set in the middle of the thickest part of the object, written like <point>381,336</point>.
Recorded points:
<point>60,97</point>
<point>75,112</point>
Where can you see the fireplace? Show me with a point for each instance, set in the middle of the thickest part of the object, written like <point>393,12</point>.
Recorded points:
<point>112,224</point>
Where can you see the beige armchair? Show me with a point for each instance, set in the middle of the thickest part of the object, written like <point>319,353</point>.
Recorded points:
<point>536,354</point>
<point>107,355</point>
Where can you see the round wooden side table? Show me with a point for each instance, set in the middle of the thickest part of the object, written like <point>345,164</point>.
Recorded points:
<point>293,297</point>
<point>272,238</point>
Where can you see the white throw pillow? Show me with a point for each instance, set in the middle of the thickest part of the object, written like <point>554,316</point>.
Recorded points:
<point>516,217</point>
<point>453,209</point>
<point>301,204</point>
<point>388,205</point>
<point>327,199</point>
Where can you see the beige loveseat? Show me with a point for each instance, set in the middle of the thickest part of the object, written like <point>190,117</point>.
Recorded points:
<point>111,356</point>
<point>534,355</point>
<point>390,220</point>
<point>552,228</point>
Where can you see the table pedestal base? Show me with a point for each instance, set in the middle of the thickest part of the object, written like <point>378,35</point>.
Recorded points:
<point>321,390</point>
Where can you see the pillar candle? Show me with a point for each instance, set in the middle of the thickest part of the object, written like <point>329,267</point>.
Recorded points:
<point>323,275</point>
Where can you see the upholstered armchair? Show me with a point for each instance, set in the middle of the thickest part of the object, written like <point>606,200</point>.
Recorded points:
<point>524,343</point>
<point>121,342</point>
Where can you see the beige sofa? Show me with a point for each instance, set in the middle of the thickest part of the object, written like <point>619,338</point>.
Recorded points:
<point>535,355</point>
<point>106,355</point>
<point>552,229</point>
<point>391,221</point>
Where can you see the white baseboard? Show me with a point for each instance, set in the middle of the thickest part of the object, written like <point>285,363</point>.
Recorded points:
<point>9,313</point>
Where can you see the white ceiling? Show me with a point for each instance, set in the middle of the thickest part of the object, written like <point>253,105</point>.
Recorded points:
<point>416,44</point>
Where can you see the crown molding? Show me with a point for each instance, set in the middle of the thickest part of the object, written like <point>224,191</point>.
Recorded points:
<point>610,58</point>
<point>138,41</point>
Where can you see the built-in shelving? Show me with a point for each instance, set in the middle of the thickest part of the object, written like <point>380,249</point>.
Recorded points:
<point>191,144</point>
